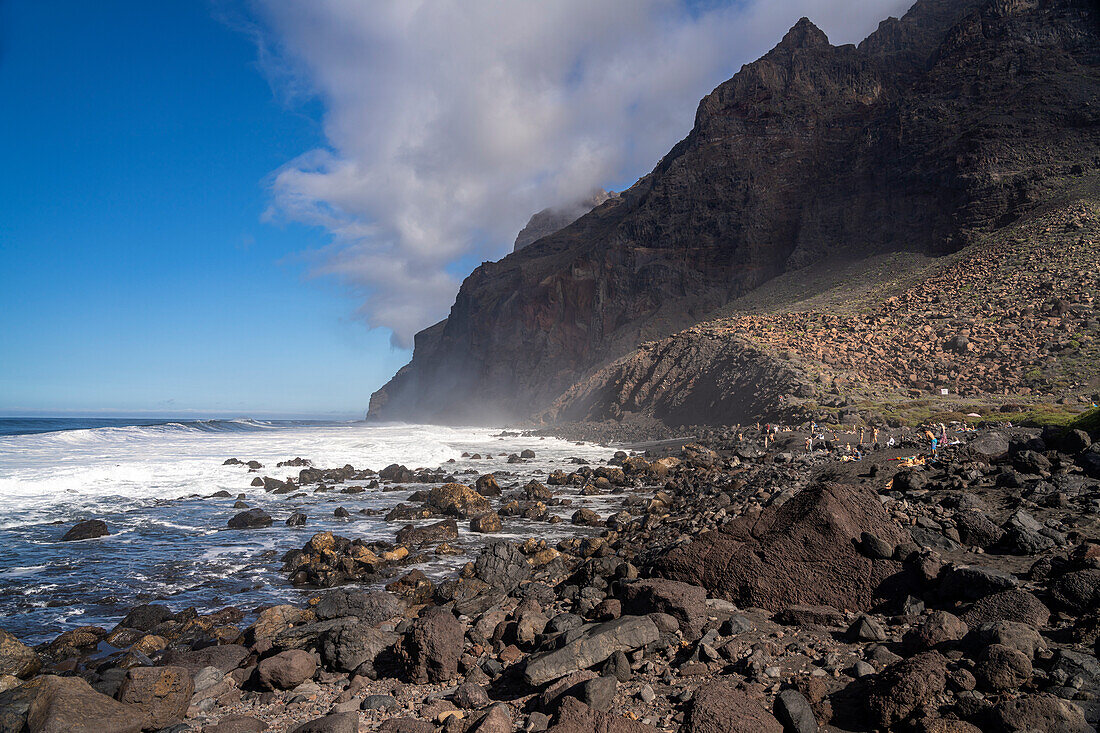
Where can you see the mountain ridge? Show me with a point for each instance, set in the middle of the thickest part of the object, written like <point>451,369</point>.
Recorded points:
<point>938,128</point>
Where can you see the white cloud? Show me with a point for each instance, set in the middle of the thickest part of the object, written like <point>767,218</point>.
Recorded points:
<point>449,122</point>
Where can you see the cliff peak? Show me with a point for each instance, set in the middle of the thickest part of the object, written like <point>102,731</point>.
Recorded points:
<point>803,34</point>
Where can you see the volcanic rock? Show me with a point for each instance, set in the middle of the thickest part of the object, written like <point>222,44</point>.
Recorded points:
<point>801,553</point>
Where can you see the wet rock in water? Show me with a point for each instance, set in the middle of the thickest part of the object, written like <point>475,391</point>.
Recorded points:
<point>162,693</point>
<point>458,500</point>
<point>251,519</point>
<point>347,722</point>
<point>431,648</point>
<point>486,523</point>
<point>904,686</point>
<point>146,616</point>
<point>54,704</point>
<point>16,658</point>
<point>487,485</point>
<point>285,670</point>
<point>372,607</point>
<point>719,706</point>
<point>803,552</point>
<point>586,518</point>
<point>576,717</point>
<point>297,519</point>
<point>87,530</point>
<point>341,513</point>
<point>592,645</point>
<point>438,532</point>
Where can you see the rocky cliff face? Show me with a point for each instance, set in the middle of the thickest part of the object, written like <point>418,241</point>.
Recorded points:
<point>939,127</point>
<point>556,218</point>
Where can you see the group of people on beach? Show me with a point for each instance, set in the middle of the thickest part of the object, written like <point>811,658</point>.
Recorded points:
<point>931,437</point>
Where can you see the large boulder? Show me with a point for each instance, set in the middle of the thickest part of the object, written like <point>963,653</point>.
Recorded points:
<point>16,658</point>
<point>904,686</point>
<point>146,617</point>
<point>458,500</point>
<point>801,553</point>
<point>1038,713</point>
<point>52,704</point>
<point>1078,591</point>
<point>286,670</point>
<point>162,693</point>
<point>1014,604</point>
<point>686,603</point>
<point>431,648</point>
<point>502,565</point>
<point>348,647</point>
<point>373,607</point>
<point>590,646</point>
<point>439,532</point>
<point>719,707</point>
<point>223,657</point>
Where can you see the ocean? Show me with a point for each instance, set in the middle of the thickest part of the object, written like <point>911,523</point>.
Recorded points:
<point>151,482</point>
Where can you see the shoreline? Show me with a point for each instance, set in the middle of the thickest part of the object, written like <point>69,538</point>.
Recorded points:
<point>673,638</point>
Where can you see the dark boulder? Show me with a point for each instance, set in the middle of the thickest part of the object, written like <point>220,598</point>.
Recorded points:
<point>904,686</point>
<point>251,519</point>
<point>438,532</point>
<point>372,607</point>
<point>502,565</point>
<point>431,648</point>
<point>801,553</point>
<point>87,530</point>
<point>720,707</point>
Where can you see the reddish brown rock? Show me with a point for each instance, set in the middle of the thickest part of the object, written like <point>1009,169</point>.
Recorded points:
<point>801,553</point>
<point>720,707</point>
<point>904,686</point>
<point>576,717</point>
<point>162,693</point>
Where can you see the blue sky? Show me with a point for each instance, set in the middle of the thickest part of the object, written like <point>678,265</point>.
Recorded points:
<point>135,271</point>
<point>222,218</point>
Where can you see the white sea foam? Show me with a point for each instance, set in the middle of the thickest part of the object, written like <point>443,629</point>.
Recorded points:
<point>50,474</point>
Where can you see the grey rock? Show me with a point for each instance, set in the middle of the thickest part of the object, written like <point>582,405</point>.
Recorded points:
<point>593,644</point>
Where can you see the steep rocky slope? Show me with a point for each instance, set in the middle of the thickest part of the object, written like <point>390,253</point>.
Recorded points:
<point>937,129</point>
<point>1012,317</point>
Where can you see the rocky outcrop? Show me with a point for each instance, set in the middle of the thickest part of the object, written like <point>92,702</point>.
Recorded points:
<point>556,218</point>
<point>947,123</point>
<point>801,553</point>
